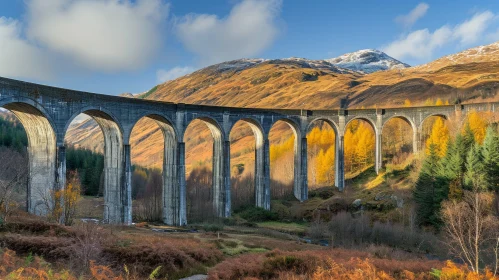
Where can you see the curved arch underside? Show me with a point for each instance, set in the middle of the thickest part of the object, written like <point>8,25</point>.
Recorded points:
<point>42,156</point>
<point>115,196</point>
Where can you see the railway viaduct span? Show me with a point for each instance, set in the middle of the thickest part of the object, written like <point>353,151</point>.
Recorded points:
<point>46,112</point>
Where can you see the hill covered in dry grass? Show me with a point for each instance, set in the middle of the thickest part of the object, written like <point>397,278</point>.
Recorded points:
<point>468,76</point>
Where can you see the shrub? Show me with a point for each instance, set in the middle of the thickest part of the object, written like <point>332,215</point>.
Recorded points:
<point>324,193</point>
<point>257,214</point>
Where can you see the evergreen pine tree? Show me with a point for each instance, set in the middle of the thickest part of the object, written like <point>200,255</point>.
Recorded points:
<point>475,168</point>
<point>490,152</point>
<point>430,190</point>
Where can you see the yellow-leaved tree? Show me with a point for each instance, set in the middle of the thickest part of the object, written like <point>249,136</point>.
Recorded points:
<point>439,137</point>
<point>439,102</point>
<point>67,199</point>
<point>407,103</point>
<point>478,124</point>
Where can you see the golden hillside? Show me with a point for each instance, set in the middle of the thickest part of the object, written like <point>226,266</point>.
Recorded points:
<point>469,76</point>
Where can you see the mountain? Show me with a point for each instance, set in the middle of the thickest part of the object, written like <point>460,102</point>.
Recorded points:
<point>367,61</point>
<point>468,76</point>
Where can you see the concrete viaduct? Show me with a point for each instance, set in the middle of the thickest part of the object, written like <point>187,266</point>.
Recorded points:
<point>46,112</point>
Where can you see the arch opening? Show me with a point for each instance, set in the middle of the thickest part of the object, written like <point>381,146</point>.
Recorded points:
<point>360,144</point>
<point>285,160</point>
<point>106,140</point>
<point>205,194</point>
<point>247,142</point>
<point>155,192</point>
<point>397,142</point>
<point>28,166</point>
<point>321,145</point>
<point>434,134</point>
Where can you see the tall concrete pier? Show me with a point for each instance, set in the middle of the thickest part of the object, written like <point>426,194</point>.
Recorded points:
<point>46,112</point>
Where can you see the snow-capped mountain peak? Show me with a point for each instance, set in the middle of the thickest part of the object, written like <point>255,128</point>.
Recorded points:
<point>367,61</point>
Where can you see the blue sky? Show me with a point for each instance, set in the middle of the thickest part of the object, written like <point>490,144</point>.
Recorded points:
<point>116,46</point>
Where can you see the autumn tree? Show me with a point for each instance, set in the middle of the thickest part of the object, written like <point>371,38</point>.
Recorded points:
<point>471,228</point>
<point>478,125</point>
<point>438,139</point>
<point>71,196</point>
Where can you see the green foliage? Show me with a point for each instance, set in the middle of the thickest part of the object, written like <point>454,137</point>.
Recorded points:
<point>89,165</point>
<point>12,134</point>
<point>324,193</point>
<point>155,273</point>
<point>257,214</point>
<point>475,168</point>
<point>151,91</point>
<point>431,189</point>
<point>490,153</point>
<point>213,227</point>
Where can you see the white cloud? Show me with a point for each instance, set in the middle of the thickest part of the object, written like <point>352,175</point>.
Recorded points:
<point>105,35</point>
<point>19,58</point>
<point>470,31</point>
<point>250,28</point>
<point>176,72</point>
<point>418,12</point>
<point>421,44</point>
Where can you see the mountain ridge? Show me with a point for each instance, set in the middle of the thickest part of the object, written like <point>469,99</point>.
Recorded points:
<point>469,76</point>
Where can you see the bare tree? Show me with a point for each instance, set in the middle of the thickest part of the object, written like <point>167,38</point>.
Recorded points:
<point>13,174</point>
<point>471,229</point>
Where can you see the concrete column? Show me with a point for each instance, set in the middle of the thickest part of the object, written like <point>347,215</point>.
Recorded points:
<point>182,206</point>
<point>60,176</point>
<point>340,163</point>
<point>262,177</point>
<point>340,152</point>
<point>378,152</point>
<point>300,182</point>
<point>379,140</point>
<point>127,186</point>
<point>171,191</point>
<point>416,141</point>
<point>226,179</point>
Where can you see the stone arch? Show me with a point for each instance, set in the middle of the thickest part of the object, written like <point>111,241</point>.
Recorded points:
<point>366,119</point>
<point>334,126</point>
<point>171,189</point>
<point>327,120</point>
<point>408,121</point>
<point>220,166</point>
<point>377,139</point>
<point>42,152</point>
<point>300,189</point>
<point>402,117</point>
<point>116,204</point>
<point>443,116</point>
<point>259,173</point>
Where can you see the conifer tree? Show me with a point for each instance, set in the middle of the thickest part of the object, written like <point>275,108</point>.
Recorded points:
<point>475,168</point>
<point>430,190</point>
<point>490,152</point>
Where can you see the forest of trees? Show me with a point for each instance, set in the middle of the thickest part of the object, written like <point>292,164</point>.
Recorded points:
<point>455,164</point>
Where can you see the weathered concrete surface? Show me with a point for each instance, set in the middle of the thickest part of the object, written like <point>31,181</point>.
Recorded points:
<point>46,113</point>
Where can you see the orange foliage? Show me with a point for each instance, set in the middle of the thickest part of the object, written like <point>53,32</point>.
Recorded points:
<point>478,124</point>
<point>439,137</point>
<point>279,150</point>
<point>407,103</point>
<point>359,145</point>
<point>321,147</point>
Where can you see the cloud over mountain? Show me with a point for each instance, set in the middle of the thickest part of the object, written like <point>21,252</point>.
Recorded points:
<point>250,27</point>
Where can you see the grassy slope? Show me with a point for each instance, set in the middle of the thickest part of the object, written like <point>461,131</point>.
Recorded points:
<point>469,76</point>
